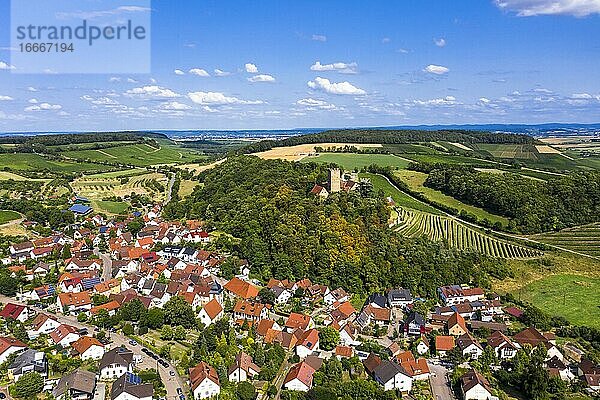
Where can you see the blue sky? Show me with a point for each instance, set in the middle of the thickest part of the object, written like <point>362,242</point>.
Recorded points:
<point>286,64</point>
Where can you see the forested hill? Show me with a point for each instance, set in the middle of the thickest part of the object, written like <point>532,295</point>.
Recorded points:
<point>77,138</point>
<point>345,241</point>
<point>533,206</point>
<point>390,137</point>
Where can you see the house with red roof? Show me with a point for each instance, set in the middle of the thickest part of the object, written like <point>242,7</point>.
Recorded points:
<point>204,381</point>
<point>308,343</point>
<point>64,335</point>
<point>88,348</point>
<point>211,312</point>
<point>300,377</point>
<point>240,288</point>
<point>15,312</point>
<point>9,346</point>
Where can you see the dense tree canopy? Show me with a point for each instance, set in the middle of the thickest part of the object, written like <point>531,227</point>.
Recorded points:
<point>344,241</point>
<point>534,206</point>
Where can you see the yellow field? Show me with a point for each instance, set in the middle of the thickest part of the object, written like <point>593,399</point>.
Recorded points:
<point>186,187</point>
<point>298,152</point>
<point>197,168</point>
<point>546,150</point>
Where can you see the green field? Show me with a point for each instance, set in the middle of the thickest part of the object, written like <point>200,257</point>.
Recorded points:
<point>415,181</point>
<point>448,159</point>
<point>575,297</point>
<point>457,234</point>
<point>520,151</point>
<point>138,154</point>
<point>34,162</point>
<point>7,216</point>
<point>357,161</point>
<point>112,207</point>
<point>400,198</point>
<point>583,239</point>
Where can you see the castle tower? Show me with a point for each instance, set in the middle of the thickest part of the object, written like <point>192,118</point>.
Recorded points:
<point>335,180</point>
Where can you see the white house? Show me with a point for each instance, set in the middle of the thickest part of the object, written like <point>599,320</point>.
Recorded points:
<point>211,312</point>
<point>308,343</point>
<point>116,362</point>
<point>88,348</point>
<point>64,335</point>
<point>243,368</point>
<point>16,312</point>
<point>129,387</point>
<point>204,381</point>
<point>475,386</point>
<point>392,377</point>
<point>9,346</point>
<point>43,324</point>
<point>299,378</point>
<point>469,346</point>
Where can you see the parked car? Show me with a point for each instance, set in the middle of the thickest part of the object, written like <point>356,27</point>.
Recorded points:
<point>133,342</point>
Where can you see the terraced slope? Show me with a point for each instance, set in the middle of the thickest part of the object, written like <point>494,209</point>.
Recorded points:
<point>437,227</point>
<point>583,239</point>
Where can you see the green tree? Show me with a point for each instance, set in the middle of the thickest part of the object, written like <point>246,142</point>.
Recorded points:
<point>128,329</point>
<point>245,391</point>
<point>178,312</point>
<point>328,338</point>
<point>29,385</point>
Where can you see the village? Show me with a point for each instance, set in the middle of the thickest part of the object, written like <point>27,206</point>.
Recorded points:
<point>72,322</point>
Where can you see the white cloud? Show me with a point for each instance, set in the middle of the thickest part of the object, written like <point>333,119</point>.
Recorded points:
<point>217,98</point>
<point>319,38</point>
<point>174,105</point>
<point>152,91</point>
<point>179,72</point>
<point>403,51</point>
<point>6,66</point>
<point>114,79</point>
<point>582,96</point>
<point>199,72</point>
<point>261,78</point>
<point>386,40</point>
<point>436,69</point>
<point>101,13</point>
<point>131,80</point>
<point>315,103</point>
<point>529,8</point>
<point>251,68</point>
<point>5,98</point>
<point>44,107</point>
<point>219,72</point>
<point>441,42</point>
<point>32,101</point>
<point>343,68</point>
<point>32,89</point>
<point>100,101</point>
<point>446,101</point>
<point>335,88</point>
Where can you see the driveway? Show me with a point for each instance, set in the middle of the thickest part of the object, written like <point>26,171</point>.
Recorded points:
<point>440,382</point>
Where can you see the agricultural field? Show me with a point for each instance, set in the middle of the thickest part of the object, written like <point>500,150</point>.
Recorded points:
<point>298,152</point>
<point>351,161</point>
<point>448,159</point>
<point>100,186</point>
<point>410,148</point>
<point>437,227</point>
<point>7,216</point>
<point>415,181</point>
<point>186,187</point>
<point>138,154</point>
<point>511,151</point>
<point>575,297</point>
<point>400,198</point>
<point>583,239</point>
<point>35,162</point>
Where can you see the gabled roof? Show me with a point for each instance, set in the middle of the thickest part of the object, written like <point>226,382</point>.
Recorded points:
<point>244,362</point>
<point>241,288</point>
<point>62,331</point>
<point>201,372</point>
<point>75,299</point>
<point>309,339</point>
<point>457,319</point>
<point>119,356</point>
<point>387,370</point>
<point>371,362</point>
<point>213,308</point>
<point>8,342</point>
<point>12,310</point>
<point>40,319</point>
<point>131,384</point>
<point>444,343</point>
<point>79,380</point>
<point>530,336</point>
<point>472,379</point>
<point>85,342</point>
<point>301,371</point>
<point>466,340</point>
<point>498,338</point>
<point>297,320</point>
<point>415,367</point>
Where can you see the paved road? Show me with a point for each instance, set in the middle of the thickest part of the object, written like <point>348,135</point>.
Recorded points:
<point>171,382</point>
<point>106,266</point>
<point>170,189</point>
<point>440,383</point>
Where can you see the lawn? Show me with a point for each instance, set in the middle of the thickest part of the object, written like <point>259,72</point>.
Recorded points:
<point>34,162</point>
<point>577,298</point>
<point>353,161</point>
<point>415,181</point>
<point>186,187</point>
<point>112,207</point>
<point>7,216</point>
<point>402,199</point>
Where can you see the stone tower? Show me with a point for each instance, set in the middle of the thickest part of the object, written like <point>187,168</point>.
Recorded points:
<point>335,180</point>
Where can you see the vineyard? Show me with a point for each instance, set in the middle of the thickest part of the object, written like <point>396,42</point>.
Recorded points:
<point>440,228</point>
<point>583,239</point>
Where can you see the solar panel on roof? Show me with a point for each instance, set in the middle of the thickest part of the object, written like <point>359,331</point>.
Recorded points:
<point>90,283</point>
<point>133,378</point>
